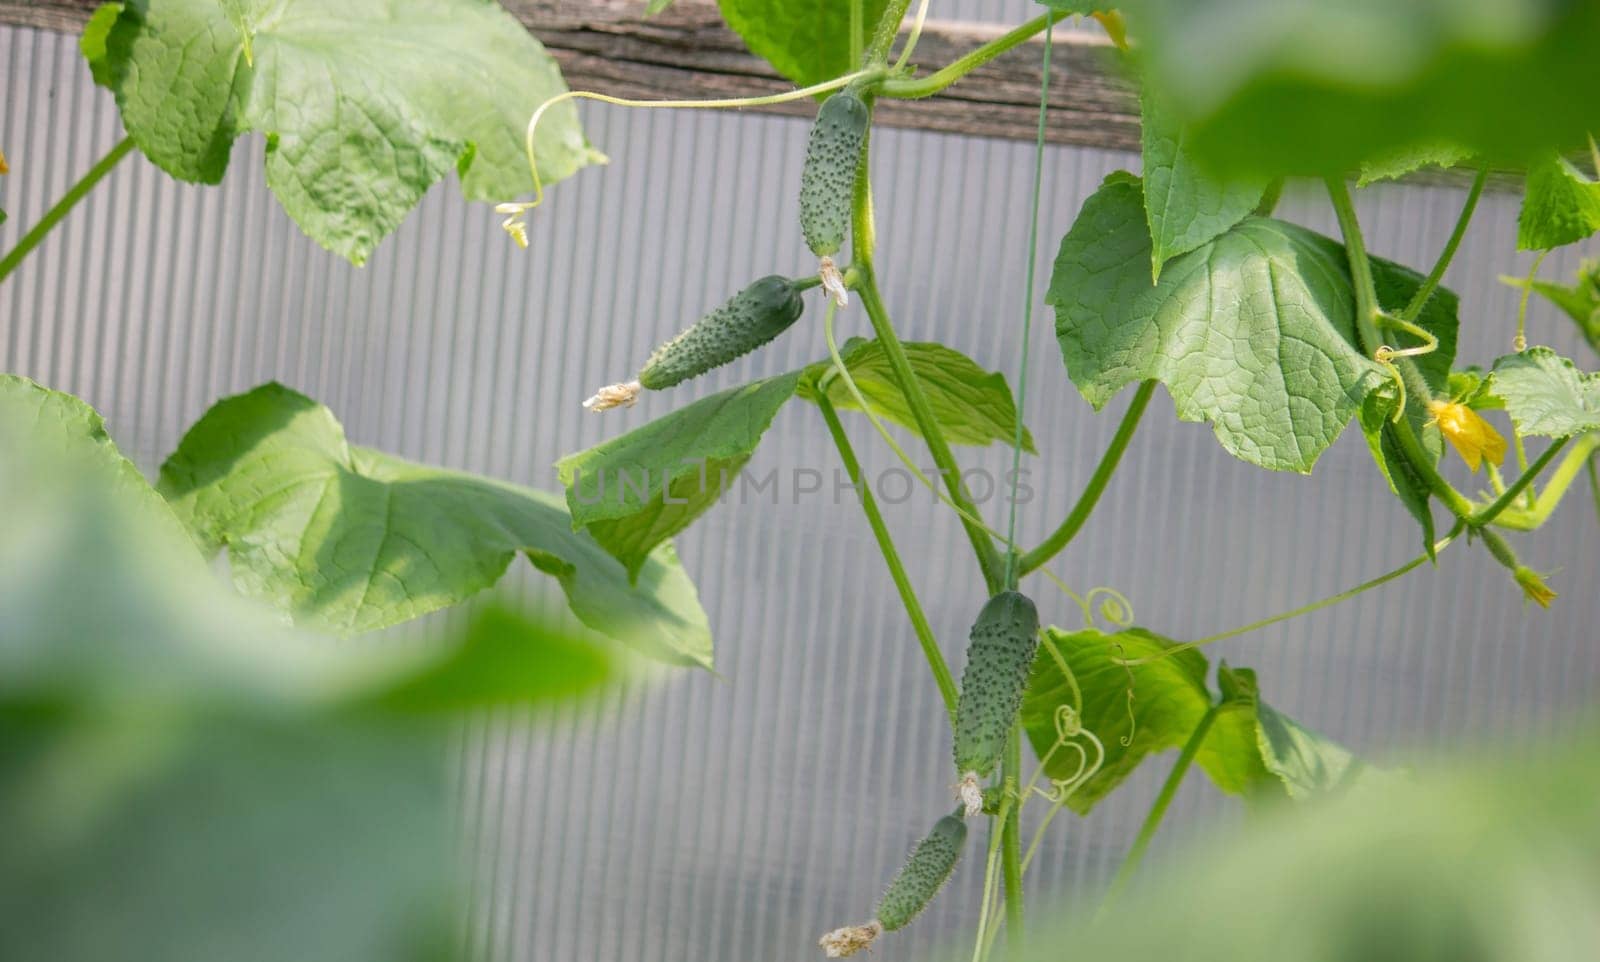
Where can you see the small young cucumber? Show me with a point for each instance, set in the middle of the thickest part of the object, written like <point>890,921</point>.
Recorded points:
<point>828,179</point>
<point>925,872</point>
<point>931,862</point>
<point>750,319</point>
<point>1000,654</point>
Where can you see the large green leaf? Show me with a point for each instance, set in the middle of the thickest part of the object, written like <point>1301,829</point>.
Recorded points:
<point>635,491</point>
<point>365,104</point>
<point>352,539</point>
<point>1252,331</point>
<point>972,405</point>
<point>176,767</point>
<point>1493,857</point>
<point>1560,205</point>
<point>1408,158</point>
<point>1320,86</point>
<point>42,423</point>
<point>1249,750</point>
<point>808,41</point>
<point>1546,394</point>
<point>1186,206</point>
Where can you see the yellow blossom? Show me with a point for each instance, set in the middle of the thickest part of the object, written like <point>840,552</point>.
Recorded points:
<point>1474,439</point>
<point>1533,587</point>
<point>4,169</point>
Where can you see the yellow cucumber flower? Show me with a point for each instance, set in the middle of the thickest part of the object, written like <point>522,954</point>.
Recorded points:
<point>1475,439</point>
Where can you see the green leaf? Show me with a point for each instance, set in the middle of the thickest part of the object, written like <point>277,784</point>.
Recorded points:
<point>1250,749</point>
<point>175,765</point>
<point>365,104</point>
<point>93,42</point>
<point>502,658</point>
<point>808,41</point>
<point>1320,86</point>
<point>1399,161</point>
<point>972,405</point>
<point>1252,331</point>
<point>1186,206</point>
<point>635,491</point>
<point>1490,856</point>
<point>1546,394</point>
<point>72,436</point>
<point>1404,480</point>
<point>1169,699</point>
<point>656,6</point>
<point>1304,764</point>
<point>1560,205</point>
<point>353,539</point>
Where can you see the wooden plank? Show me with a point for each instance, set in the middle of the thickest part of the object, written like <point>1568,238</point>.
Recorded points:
<point>687,53</point>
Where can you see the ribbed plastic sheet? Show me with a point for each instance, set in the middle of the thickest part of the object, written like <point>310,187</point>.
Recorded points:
<point>738,816</point>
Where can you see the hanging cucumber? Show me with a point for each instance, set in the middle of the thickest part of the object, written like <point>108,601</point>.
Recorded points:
<point>999,656</point>
<point>828,180</point>
<point>748,320</point>
<point>925,872</point>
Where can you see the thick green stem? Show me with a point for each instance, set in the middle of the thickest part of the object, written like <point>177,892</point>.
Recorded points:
<point>53,216</point>
<point>862,238</point>
<point>940,79</point>
<point>858,30</point>
<point>1158,810</point>
<point>1063,535</point>
<point>1367,313</point>
<point>1419,300</point>
<point>891,557</point>
<point>1011,845</point>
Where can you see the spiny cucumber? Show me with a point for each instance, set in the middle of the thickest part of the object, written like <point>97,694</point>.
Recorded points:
<point>925,872</point>
<point>999,656</point>
<point>828,179</point>
<point>748,320</point>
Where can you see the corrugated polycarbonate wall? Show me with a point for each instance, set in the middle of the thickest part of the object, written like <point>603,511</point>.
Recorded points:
<point>737,817</point>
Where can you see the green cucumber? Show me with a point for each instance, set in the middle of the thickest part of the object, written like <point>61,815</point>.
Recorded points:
<point>925,872</point>
<point>999,656</point>
<point>748,320</point>
<point>828,179</point>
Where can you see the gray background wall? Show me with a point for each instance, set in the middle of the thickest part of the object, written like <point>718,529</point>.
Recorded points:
<point>739,817</point>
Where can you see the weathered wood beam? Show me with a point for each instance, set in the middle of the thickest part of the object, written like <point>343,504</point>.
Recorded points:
<point>687,52</point>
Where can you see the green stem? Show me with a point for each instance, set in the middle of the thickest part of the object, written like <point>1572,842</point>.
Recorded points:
<point>894,12</point>
<point>858,29</point>
<point>1420,299</point>
<point>891,557</point>
<point>53,216</point>
<point>1555,487</point>
<point>1367,312</point>
<point>1327,602</point>
<point>1158,810</point>
<point>1063,535</point>
<point>940,79</point>
<point>863,236</point>
<point>1011,845</point>
<point>1504,501</point>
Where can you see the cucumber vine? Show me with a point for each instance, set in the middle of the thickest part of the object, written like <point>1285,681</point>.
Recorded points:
<point>1277,336</point>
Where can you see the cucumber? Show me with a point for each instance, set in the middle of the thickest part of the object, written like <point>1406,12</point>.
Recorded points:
<point>999,656</point>
<point>925,872</point>
<point>931,862</point>
<point>828,179</point>
<point>750,319</point>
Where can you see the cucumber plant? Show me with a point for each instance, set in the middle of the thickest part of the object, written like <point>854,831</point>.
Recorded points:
<point>1182,276</point>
